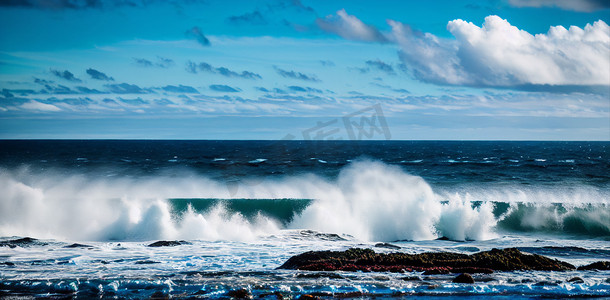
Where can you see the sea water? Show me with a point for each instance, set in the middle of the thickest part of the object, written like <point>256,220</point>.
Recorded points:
<point>239,209</point>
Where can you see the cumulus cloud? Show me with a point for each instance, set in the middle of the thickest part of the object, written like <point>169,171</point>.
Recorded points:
<point>349,27</point>
<point>580,5</point>
<point>198,35</point>
<point>253,18</point>
<point>205,67</point>
<point>296,75</point>
<point>223,88</point>
<point>95,74</point>
<point>67,75</point>
<point>499,54</point>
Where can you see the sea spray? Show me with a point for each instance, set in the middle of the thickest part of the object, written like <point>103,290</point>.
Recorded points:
<point>369,200</point>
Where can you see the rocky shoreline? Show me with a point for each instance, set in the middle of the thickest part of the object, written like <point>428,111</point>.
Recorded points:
<point>367,260</point>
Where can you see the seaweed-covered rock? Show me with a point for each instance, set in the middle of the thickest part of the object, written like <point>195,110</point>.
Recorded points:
<point>357,259</point>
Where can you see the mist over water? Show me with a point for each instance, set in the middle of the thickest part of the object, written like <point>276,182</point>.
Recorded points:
<point>369,200</point>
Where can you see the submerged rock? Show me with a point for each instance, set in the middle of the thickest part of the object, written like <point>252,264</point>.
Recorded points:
<point>463,278</point>
<point>600,265</point>
<point>356,259</point>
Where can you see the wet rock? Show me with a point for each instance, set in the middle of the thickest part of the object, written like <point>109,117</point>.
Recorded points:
<point>239,294</point>
<point>8,263</point>
<point>387,246</point>
<point>463,278</point>
<point>77,245</point>
<point>308,297</point>
<point>600,265</point>
<point>576,280</point>
<point>367,260</point>
<point>168,243</point>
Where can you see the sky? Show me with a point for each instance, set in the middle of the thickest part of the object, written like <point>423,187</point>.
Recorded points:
<point>301,69</point>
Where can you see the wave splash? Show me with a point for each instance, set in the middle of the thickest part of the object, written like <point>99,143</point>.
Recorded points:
<point>369,200</point>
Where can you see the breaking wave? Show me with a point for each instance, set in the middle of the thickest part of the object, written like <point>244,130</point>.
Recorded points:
<point>369,200</point>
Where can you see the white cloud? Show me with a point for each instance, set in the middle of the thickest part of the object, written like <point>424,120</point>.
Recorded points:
<point>575,5</point>
<point>349,27</point>
<point>35,105</point>
<point>499,54</point>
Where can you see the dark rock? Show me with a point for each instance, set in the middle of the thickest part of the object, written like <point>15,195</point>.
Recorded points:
<point>168,243</point>
<point>22,242</point>
<point>308,297</point>
<point>7,263</point>
<point>443,238</point>
<point>576,280</point>
<point>77,245</point>
<point>463,278</point>
<point>600,265</point>
<point>367,260</point>
<point>239,294</point>
<point>387,246</point>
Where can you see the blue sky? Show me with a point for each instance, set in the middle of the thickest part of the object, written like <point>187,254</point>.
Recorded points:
<point>496,69</point>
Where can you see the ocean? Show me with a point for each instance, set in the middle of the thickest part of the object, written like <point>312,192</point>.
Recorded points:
<point>237,210</point>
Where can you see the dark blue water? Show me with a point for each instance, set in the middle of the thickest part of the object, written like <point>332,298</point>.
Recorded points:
<point>439,162</point>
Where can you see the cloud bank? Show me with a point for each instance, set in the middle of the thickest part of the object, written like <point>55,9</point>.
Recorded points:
<point>499,54</point>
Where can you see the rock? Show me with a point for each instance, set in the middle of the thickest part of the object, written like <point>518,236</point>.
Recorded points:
<point>308,297</point>
<point>7,263</point>
<point>77,245</point>
<point>239,294</point>
<point>367,260</point>
<point>576,280</point>
<point>22,242</point>
<point>463,278</point>
<point>600,265</point>
<point>387,246</point>
<point>168,243</point>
